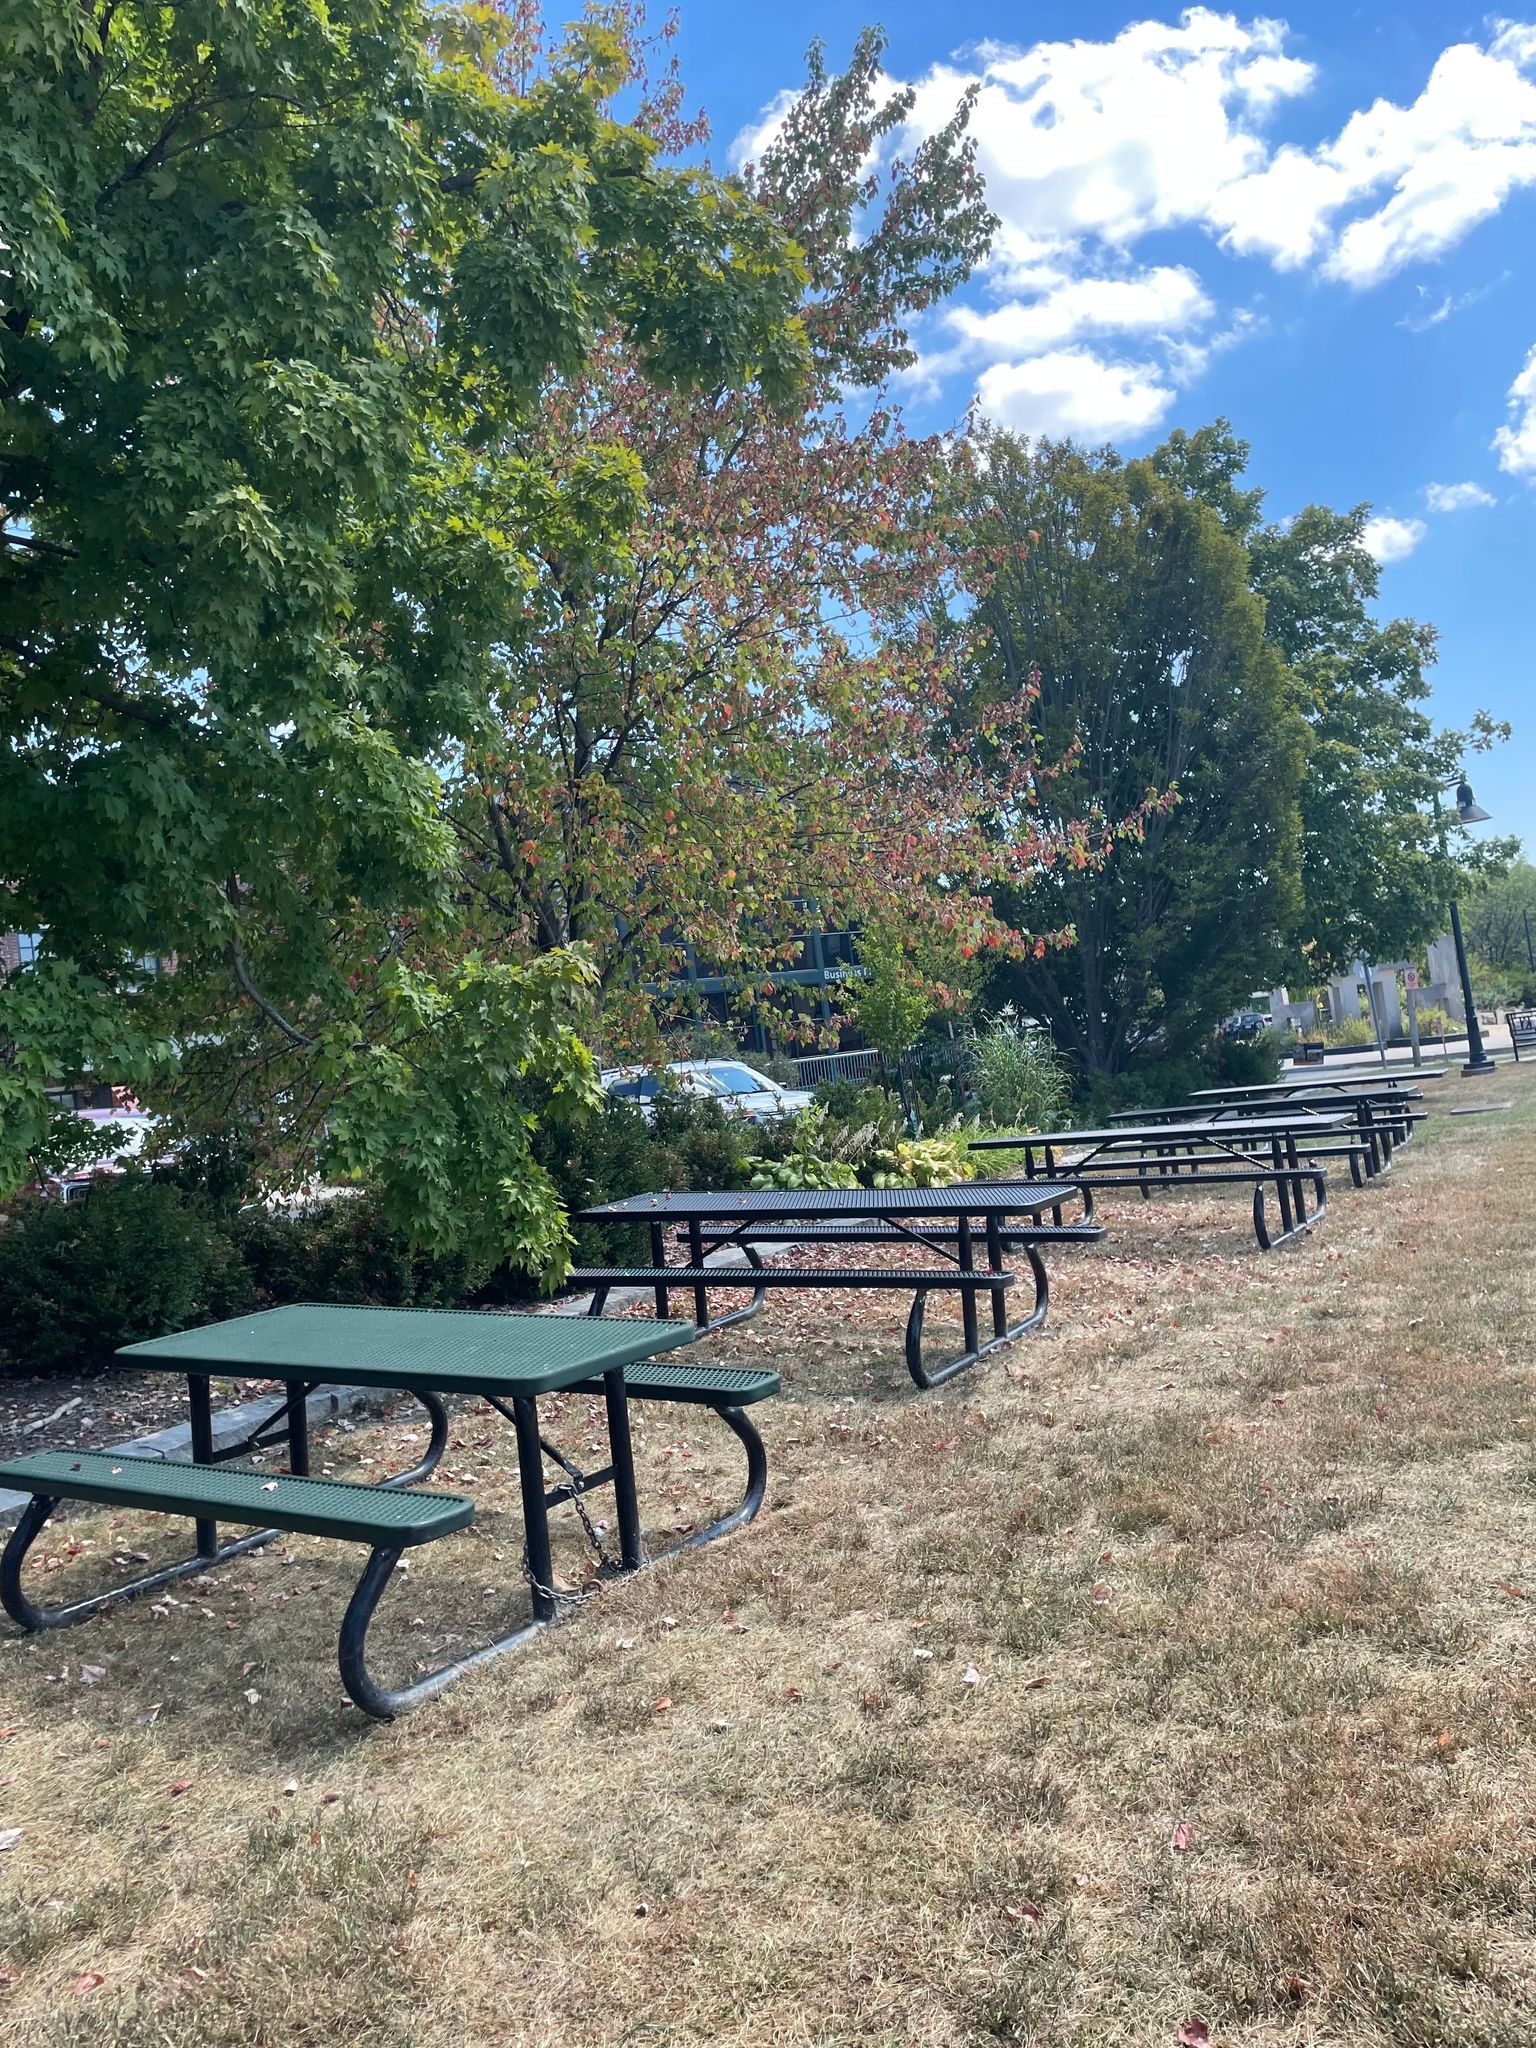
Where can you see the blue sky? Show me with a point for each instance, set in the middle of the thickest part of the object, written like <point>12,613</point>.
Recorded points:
<point>1315,223</point>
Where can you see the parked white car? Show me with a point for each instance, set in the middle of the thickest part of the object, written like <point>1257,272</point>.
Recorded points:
<point>744,1091</point>
<point>739,1089</point>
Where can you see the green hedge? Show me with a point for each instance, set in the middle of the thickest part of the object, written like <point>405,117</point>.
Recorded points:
<point>135,1260</point>
<point>151,1253</point>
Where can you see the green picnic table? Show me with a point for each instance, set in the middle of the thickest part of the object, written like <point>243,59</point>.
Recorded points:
<point>508,1360</point>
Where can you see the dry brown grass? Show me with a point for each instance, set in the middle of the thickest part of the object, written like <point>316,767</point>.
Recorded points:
<point>1241,1546</point>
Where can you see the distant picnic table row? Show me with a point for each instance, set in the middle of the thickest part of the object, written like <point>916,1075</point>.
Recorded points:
<point>1272,1137</point>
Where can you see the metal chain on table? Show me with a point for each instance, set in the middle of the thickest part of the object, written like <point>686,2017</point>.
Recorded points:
<point>605,1562</point>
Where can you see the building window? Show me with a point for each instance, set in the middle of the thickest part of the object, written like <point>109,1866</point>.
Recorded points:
<point>27,946</point>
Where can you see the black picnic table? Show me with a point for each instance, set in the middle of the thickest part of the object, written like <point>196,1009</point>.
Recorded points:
<point>1382,1110</point>
<point>1257,1150</point>
<point>509,1360</point>
<point>1369,1081</point>
<point>972,1226</point>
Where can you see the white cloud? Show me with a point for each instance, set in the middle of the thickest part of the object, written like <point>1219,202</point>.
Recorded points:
<point>1072,391</point>
<point>1456,497</point>
<point>1391,540</point>
<point>1165,300</point>
<point>1515,442</point>
<point>1448,305</point>
<point>1445,162</point>
<point>1113,139</point>
<point>754,138</point>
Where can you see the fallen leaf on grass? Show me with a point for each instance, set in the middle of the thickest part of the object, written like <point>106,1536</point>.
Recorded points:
<point>1182,1836</point>
<point>1514,1592</point>
<point>87,1981</point>
<point>662,1705</point>
<point>1193,2034</point>
<point>971,1676</point>
<point>9,1837</point>
<point>1027,1913</point>
<point>180,1785</point>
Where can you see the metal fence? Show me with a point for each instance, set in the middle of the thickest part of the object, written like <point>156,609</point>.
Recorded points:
<point>837,1066</point>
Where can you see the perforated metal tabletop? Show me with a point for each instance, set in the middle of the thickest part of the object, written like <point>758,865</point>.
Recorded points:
<point>1209,1132</point>
<point>769,1205</point>
<point>448,1350</point>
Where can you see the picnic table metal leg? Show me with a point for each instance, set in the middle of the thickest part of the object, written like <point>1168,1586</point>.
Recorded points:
<point>297,1404</point>
<point>1281,1190</point>
<point>201,1406</point>
<point>530,1475</point>
<point>659,1259</point>
<point>1298,1186</point>
<point>696,1259</point>
<point>437,1442</point>
<point>622,1459</point>
<point>966,1260</point>
<point>995,1263</point>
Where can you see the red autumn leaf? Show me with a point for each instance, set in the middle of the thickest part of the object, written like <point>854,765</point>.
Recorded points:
<point>1182,1836</point>
<point>180,1785</point>
<point>1193,2034</point>
<point>87,1981</point>
<point>662,1705</point>
<point>1514,1592</point>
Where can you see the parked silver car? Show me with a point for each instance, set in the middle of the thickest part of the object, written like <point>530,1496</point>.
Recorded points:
<point>739,1089</point>
<point>744,1091</point>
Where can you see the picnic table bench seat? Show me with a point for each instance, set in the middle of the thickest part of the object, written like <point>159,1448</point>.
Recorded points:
<point>856,1233</point>
<point>341,1508</point>
<point>704,1386</point>
<point>729,1274</point>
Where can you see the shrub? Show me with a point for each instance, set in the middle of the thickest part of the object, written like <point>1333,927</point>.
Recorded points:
<point>806,1162</point>
<point>1158,1084</point>
<point>1349,1031</point>
<point>1244,1062</point>
<point>345,1249</point>
<point>137,1259</point>
<point>936,1162</point>
<point>1435,1022</point>
<point>616,1152</point>
<point>1018,1079</point>
<point>803,1170</point>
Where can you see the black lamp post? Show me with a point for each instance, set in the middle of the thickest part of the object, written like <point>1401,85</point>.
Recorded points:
<point>1470,812</point>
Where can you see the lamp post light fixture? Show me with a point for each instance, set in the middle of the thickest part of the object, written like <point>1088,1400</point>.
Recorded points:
<point>1470,812</point>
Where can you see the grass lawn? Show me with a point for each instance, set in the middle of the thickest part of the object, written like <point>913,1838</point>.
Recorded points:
<point>1169,1678</point>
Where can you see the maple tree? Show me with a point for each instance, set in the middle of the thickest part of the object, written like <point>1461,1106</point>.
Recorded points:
<point>727,711</point>
<point>276,280</point>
